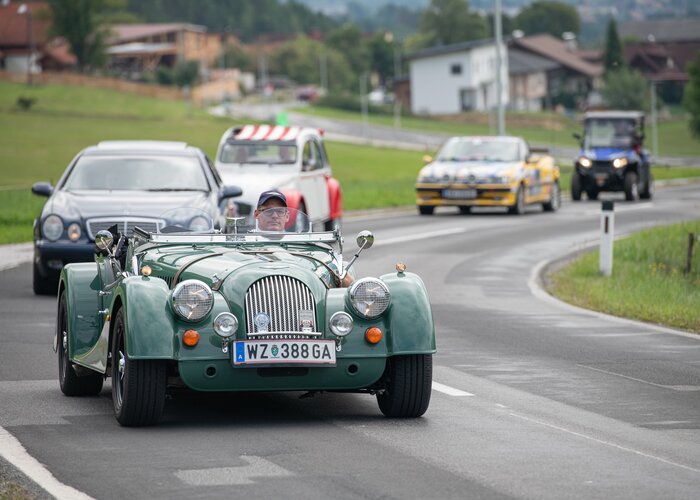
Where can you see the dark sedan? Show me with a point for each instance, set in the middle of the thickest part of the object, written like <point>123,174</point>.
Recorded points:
<point>128,183</point>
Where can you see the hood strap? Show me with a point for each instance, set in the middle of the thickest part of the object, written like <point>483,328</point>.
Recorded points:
<point>176,279</point>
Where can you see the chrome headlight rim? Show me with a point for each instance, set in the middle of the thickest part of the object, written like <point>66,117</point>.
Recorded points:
<point>175,297</point>
<point>50,227</point>
<point>333,323</point>
<point>220,330</point>
<point>354,302</point>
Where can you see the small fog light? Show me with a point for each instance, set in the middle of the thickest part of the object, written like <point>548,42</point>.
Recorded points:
<point>74,232</point>
<point>190,338</point>
<point>341,324</point>
<point>373,335</point>
<point>225,325</point>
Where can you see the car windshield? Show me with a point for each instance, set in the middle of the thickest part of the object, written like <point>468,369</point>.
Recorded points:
<point>476,149</point>
<point>609,133</point>
<point>259,152</point>
<point>140,173</point>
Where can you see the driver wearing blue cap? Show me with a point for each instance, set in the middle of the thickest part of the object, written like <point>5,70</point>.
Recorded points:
<point>271,213</point>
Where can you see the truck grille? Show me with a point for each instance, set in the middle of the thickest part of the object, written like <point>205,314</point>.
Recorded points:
<point>124,225</point>
<point>284,303</point>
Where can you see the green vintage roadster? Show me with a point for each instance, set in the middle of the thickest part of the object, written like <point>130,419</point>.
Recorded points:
<point>239,309</point>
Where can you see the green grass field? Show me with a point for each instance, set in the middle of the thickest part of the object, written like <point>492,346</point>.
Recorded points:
<point>674,138</point>
<point>648,281</point>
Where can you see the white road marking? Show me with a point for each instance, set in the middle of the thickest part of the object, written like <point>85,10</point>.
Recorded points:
<point>13,451</point>
<point>228,476</point>
<point>450,391</point>
<point>681,388</point>
<point>606,443</point>
<point>414,237</point>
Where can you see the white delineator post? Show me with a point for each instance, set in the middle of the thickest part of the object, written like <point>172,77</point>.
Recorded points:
<point>607,232</point>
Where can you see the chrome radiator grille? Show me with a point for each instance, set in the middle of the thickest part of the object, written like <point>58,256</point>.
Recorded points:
<point>284,303</point>
<point>124,225</point>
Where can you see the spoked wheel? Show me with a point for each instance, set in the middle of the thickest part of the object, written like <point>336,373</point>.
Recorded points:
<point>408,382</point>
<point>554,199</point>
<point>631,187</point>
<point>71,384</point>
<point>519,207</point>
<point>138,387</point>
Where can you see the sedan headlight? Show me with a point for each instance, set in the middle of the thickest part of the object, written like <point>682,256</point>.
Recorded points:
<point>52,228</point>
<point>369,297</point>
<point>192,300</point>
<point>619,162</point>
<point>585,162</point>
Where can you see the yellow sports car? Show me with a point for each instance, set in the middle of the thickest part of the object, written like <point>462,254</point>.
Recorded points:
<point>488,172</point>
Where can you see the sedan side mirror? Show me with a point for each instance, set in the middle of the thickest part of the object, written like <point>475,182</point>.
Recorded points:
<point>230,192</point>
<point>42,189</point>
<point>104,240</point>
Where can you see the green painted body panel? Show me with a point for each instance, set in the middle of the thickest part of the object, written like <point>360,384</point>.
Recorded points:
<point>81,284</point>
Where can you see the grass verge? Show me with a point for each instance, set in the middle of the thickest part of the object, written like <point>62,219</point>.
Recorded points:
<point>648,281</point>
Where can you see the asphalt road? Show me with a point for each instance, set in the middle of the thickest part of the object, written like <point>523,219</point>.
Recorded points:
<point>533,398</point>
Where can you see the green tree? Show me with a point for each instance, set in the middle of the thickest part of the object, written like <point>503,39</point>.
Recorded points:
<point>236,57</point>
<point>545,16</point>
<point>691,95</point>
<point>382,53</point>
<point>348,41</point>
<point>624,89</point>
<point>613,48</point>
<point>446,22</point>
<point>79,22</point>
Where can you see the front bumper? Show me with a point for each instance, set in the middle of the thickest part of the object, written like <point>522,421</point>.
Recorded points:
<point>51,256</point>
<point>479,195</point>
<point>602,176</point>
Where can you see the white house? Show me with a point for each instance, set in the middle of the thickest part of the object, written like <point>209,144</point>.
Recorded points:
<point>460,77</point>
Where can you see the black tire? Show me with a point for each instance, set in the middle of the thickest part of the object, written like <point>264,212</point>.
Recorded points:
<point>519,207</point>
<point>408,384</point>
<point>43,286</point>
<point>138,387</point>
<point>332,224</point>
<point>647,192</point>
<point>425,210</point>
<point>576,186</point>
<point>465,210</point>
<point>90,382</point>
<point>631,187</point>
<point>554,199</point>
<point>592,194</point>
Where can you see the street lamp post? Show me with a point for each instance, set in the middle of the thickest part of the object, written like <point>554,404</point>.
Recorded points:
<point>499,84</point>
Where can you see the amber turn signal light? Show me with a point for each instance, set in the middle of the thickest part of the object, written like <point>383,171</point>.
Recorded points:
<point>373,335</point>
<point>190,338</point>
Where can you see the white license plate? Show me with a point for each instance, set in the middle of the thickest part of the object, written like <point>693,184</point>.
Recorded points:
<point>459,194</point>
<point>280,352</point>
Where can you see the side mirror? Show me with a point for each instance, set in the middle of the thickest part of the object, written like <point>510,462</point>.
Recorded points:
<point>577,136</point>
<point>365,239</point>
<point>230,192</point>
<point>427,159</point>
<point>42,189</point>
<point>104,240</point>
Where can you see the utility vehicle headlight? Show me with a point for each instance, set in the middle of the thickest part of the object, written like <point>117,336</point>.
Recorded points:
<point>369,297</point>
<point>341,324</point>
<point>192,300</point>
<point>585,162</point>
<point>619,162</point>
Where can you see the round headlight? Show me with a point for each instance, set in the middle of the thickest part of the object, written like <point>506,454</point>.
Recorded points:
<point>369,297</point>
<point>52,228</point>
<point>619,162</point>
<point>341,324</point>
<point>200,223</point>
<point>74,232</point>
<point>192,300</point>
<point>585,162</point>
<point>225,325</point>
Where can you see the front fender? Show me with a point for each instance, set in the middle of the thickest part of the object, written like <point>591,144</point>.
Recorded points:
<point>80,283</point>
<point>335,198</point>
<point>410,315</point>
<point>150,329</point>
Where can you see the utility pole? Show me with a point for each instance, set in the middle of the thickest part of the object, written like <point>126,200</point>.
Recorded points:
<point>654,130</point>
<point>397,75</point>
<point>363,103</point>
<point>323,70</point>
<point>499,63</point>
<point>24,9</point>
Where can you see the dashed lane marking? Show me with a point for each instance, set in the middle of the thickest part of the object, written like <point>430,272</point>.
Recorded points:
<point>450,391</point>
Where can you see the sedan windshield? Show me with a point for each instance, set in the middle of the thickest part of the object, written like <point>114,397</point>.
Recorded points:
<point>139,173</point>
<point>476,149</point>
<point>259,152</point>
